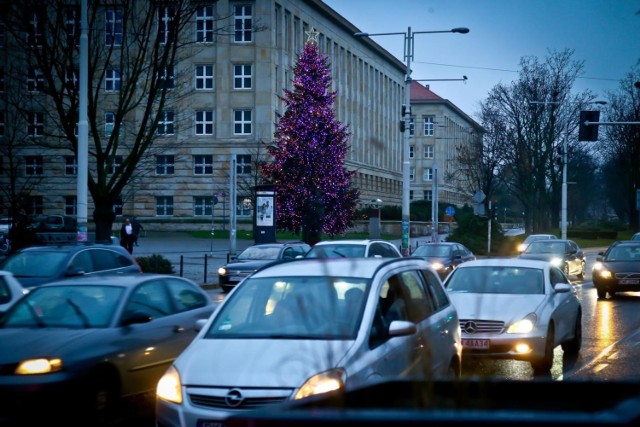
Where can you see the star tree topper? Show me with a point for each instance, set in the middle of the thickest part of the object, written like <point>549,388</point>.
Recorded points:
<point>312,36</point>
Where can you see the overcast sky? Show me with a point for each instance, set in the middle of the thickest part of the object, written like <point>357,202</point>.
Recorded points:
<point>605,34</point>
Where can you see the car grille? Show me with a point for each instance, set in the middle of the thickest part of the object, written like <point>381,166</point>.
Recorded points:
<point>629,275</point>
<point>220,402</point>
<point>477,326</point>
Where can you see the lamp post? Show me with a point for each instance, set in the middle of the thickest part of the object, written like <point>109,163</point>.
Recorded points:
<point>406,163</point>
<point>563,209</point>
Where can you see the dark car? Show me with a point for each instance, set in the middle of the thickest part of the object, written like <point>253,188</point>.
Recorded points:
<point>81,346</point>
<point>444,257</point>
<point>564,254</point>
<point>37,265</point>
<point>256,256</point>
<point>617,269</point>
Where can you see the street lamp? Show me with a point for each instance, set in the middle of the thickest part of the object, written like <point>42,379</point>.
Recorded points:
<point>406,163</point>
<point>563,210</point>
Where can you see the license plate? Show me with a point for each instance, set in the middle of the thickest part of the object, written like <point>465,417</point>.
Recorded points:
<point>475,343</point>
<point>204,423</point>
<point>629,281</point>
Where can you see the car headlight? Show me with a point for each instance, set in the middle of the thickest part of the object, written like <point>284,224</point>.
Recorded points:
<point>39,366</point>
<point>598,266</point>
<point>557,262</point>
<point>222,271</point>
<point>437,265</point>
<point>522,247</point>
<point>523,326</point>
<point>323,382</point>
<point>604,273</point>
<point>169,387</point>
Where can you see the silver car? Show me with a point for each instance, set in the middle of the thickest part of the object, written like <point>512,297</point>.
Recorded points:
<point>310,326</point>
<point>516,309</point>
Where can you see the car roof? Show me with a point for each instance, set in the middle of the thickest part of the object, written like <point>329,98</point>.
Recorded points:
<point>71,247</point>
<point>339,267</point>
<point>350,241</point>
<point>506,262</point>
<point>116,279</point>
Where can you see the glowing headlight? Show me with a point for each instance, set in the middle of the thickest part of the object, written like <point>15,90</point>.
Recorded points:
<point>322,383</point>
<point>556,262</point>
<point>39,366</point>
<point>169,387</point>
<point>523,326</point>
<point>522,247</point>
<point>597,266</point>
<point>437,265</point>
<point>222,271</point>
<point>605,274</point>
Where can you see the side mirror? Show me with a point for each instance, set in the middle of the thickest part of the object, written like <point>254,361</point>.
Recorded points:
<point>562,288</point>
<point>136,317</point>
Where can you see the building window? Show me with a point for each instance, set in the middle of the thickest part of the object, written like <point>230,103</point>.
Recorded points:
<point>243,164</point>
<point>34,205</point>
<point>204,77</point>
<point>203,165</point>
<point>36,124</point>
<point>204,122</point>
<point>72,25</point>
<point>70,165</point>
<point>70,205</point>
<point>242,23</point>
<point>165,18</point>
<point>113,26</point>
<point>429,125</point>
<point>165,123</point>
<point>243,206</point>
<point>3,34</point>
<point>164,165</point>
<point>117,206</point>
<point>71,79</point>
<point>412,174</point>
<point>410,194</point>
<point>2,123</point>
<point>33,166</point>
<point>112,80</point>
<point>412,125</point>
<point>428,151</point>
<point>202,206</point>
<point>35,80</point>
<point>242,76</point>
<point>427,175</point>
<point>428,195</point>
<point>166,78</point>
<point>242,122</point>
<point>164,205</point>
<point>114,164</point>
<point>204,24</point>
<point>36,30</point>
<point>109,122</point>
<point>412,150</point>
<point>2,83</point>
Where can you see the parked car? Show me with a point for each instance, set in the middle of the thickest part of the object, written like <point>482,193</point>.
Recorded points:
<point>565,254</point>
<point>352,248</point>
<point>617,269</point>
<point>5,225</point>
<point>636,236</point>
<point>10,290</point>
<point>303,327</point>
<point>444,256</point>
<point>253,257</point>
<point>532,238</point>
<point>36,265</point>
<point>78,347</point>
<point>515,308</point>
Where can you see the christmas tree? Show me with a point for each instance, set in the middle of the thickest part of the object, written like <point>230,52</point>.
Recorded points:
<point>314,187</point>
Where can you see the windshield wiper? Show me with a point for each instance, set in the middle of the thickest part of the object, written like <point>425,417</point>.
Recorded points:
<point>35,315</point>
<point>79,312</point>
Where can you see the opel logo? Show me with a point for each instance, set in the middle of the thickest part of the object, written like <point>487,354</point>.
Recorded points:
<point>234,398</point>
<point>470,327</point>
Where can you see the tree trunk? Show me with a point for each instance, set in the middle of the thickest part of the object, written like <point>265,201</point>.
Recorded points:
<point>103,217</point>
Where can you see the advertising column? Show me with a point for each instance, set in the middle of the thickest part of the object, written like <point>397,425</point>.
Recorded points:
<point>265,214</point>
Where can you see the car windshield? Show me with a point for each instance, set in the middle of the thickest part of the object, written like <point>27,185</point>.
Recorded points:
<point>546,247</point>
<point>497,280</point>
<point>89,306</point>
<point>624,253</point>
<point>336,251</point>
<point>432,251</point>
<point>259,252</point>
<point>35,264</point>
<point>328,308</point>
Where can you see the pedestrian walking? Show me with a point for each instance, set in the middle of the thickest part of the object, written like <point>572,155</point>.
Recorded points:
<point>127,235</point>
<point>137,229</point>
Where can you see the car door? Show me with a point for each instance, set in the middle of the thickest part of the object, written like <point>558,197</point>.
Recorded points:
<point>574,257</point>
<point>563,305</point>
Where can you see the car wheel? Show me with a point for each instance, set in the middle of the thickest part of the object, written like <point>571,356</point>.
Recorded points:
<point>602,293</point>
<point>581,274</point>
<point>573,345</point>
<point>544,364</point>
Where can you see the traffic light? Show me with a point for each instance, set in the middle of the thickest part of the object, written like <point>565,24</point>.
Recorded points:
<point>402,117</point>
<point>588,132</point>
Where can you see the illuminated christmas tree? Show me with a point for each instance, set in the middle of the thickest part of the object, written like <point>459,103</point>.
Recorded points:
<point>314,187</point>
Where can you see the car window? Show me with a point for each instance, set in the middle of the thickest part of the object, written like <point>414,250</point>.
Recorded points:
<point>5,292</point>
<point>184,296</point>
<point>106,259</point>
<point>81,261</point>
<point>439,296</point>
<point>288,253</point>
<point>419,304</point>
<point>149,298</point>
<point>557,276</point>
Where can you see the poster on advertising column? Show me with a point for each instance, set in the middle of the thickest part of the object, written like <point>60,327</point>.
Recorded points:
<point>264,214</point>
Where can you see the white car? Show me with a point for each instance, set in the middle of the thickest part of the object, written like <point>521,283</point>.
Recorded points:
<point>10,290</point>
<point>308,326</point>
<point>354,248</point>
<point>515,309</point>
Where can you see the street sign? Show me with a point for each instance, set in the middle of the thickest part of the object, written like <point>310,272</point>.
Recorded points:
<point>449,211</point>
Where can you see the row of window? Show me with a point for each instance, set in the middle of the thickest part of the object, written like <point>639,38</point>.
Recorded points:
<point>165,164</point>
<point>428,151</point>
<point>429,125</point>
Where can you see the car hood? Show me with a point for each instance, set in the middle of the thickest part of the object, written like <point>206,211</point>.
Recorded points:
<point>258,362</point>
<point>23,343</point>
<point>543,257</point>
<point>623,266</point>
<point>504,307</point>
